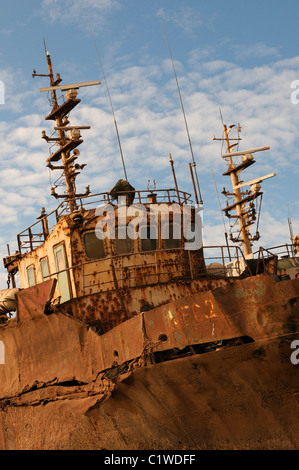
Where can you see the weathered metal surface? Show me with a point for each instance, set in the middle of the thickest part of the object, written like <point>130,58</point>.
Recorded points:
<point>59,236</point>
<point>257,307</point>
<point>262,308</point>
<point>238,398</point>
<point>32,302</point>
<point>110,308</point>
<point>109,290</point>
<point>66,370</point>
<point>111,273</point>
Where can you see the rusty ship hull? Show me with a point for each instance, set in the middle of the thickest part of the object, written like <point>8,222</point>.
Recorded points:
<point>211,370</point>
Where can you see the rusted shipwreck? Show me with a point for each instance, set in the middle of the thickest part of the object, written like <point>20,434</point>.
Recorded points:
<point>140,343</point>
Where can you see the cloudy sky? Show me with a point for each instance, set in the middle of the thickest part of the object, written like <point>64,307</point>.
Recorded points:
<point>240,58</point>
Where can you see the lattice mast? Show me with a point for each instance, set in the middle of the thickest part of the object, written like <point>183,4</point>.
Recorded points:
<point>66,142</point>
<point>242,206</point>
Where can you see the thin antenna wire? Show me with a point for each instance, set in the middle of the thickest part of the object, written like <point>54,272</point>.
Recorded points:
<point>221,117</point>
<point>194,164</point>
<point>108,92</point>
<point>218,199</point>
<point>259,214</point>
<point>45,46</point>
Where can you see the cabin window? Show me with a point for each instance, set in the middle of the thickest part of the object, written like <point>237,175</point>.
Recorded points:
<point>172,239</point>
<point>62,273</point>
<point>45,269</point>
<point>123,245</point>
<point>148,238</point>
<point>31,276</point>
<point>94,246</point>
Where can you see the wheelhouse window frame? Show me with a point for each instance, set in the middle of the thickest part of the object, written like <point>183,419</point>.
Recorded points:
<point>89,252</point>
<point>146,243</point>
<point>121,244</point>
<point>166,241</point>
<point>31,278</point>
<point>63,276</point>
<point>45,262</point>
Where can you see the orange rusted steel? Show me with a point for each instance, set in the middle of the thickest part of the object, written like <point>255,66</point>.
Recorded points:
<point>196,351</point>
<point>33,302</point>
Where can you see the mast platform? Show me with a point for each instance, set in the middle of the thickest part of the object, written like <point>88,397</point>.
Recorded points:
<point>66,148</point>
<point>63,109</point>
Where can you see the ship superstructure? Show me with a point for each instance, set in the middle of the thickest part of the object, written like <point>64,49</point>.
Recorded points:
<point>96,277</point>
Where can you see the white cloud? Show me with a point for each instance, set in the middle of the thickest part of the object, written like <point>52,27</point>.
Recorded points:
<point>186,18</point>
<point>72,10</point>
<point>255,51</point>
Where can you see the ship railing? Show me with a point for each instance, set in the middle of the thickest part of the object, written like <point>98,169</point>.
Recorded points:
<point>169,196</point>
<point>280,251</point>
<point>264,256</point>
<point>35,235</point>
<point>226,260</point>
<point>268,258</point>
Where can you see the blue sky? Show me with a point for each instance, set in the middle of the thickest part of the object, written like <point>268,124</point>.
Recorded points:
<point>240,57</point>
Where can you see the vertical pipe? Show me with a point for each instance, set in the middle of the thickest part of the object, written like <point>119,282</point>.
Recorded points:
<point>174,177</point>
<point>193,182</point>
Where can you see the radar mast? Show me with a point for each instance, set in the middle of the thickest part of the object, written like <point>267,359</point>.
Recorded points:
<point>66,143</point>
<point>243,206</point>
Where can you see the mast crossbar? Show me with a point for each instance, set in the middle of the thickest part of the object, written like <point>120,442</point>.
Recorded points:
<point>71,86</point>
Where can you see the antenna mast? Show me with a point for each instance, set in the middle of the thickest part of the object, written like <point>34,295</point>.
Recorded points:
<point>66,143</point>
<point>109,96</point>
<point>243,201</point>
<point>193,164</point>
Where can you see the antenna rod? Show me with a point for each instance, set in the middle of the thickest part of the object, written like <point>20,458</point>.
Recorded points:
<point>45,46</point>
<point>221,117</point>
<point>194,163</point>
<point>108,92</point>
<point>174,177</point>
<point>193,182</point>
<point>51,75</point>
